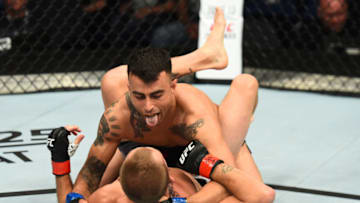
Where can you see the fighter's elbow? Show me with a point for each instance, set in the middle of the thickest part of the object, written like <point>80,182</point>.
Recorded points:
<point>265,196</point>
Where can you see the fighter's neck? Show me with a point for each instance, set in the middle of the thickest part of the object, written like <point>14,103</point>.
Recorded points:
<point>173,116</point>
<point>171,192</point>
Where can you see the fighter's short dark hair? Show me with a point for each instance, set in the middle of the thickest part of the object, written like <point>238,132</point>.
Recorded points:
<point>148,63</point>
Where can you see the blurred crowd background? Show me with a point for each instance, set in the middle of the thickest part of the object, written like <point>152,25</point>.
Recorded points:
<point>310,45</point>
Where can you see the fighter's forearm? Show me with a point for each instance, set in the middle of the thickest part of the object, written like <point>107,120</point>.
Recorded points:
<point>243,186</point>
<point>219,149</point>
<point>63,187</point>
<point>89,177</point>
<point>99,156</point>
<point>211,192</point>
<point>190,161</point>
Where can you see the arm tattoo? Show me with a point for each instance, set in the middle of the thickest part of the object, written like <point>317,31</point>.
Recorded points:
<point>110,108</point>
<point>102,130</point>
<point>115,134</point>
<point>115,127</point>
<point>137,121</point>
<point>226,168</point>
<point>177,75</point>
<point>92,172</point>
<point>187,132</point>
<point>112,118</point>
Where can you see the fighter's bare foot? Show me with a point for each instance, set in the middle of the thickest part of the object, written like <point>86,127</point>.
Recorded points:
<point>214,44</point>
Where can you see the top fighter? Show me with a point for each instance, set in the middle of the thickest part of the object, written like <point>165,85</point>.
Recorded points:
<point>157,111</point>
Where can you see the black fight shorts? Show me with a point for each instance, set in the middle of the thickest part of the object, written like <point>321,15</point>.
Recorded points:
<point>171,154</point>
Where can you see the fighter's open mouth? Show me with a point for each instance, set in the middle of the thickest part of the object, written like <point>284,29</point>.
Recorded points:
<point>152,120</point>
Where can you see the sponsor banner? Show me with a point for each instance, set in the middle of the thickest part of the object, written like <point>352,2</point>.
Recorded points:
<point>233,10</point>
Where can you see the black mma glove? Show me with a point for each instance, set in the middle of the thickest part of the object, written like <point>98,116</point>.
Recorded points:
<point>196,159</point>
<point>58,144</point>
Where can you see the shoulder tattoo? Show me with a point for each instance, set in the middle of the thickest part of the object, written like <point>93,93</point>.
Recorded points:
<point>114,126</point>
<point>189,132</point>
<point>112,118</point>
<point>110,108</point>
<point>137,121</point>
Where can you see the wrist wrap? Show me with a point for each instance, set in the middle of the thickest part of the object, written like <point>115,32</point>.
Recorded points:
<point>178,200</point>
<point>175,200</point>
<point>73,197</point>
<point>208,164</point>
<point>61,168</point>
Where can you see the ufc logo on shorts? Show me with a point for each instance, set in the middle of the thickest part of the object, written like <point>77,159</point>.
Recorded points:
<point>186,152</point>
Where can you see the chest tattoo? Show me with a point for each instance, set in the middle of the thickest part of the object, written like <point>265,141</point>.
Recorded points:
<point>189,132</point>
<point>137,121</point>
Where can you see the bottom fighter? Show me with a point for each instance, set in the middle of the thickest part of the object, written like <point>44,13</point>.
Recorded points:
<point>145,177</point>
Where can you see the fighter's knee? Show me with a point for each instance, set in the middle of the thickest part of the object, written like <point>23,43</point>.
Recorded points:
<point>246,81</point>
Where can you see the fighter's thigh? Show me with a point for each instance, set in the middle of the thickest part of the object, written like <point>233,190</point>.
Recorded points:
<point>114,84</point>
<point>241,98</point>
<point>230,199</point>
<point>236,109</point>
<point>235,114</point>
<point>246,162</point>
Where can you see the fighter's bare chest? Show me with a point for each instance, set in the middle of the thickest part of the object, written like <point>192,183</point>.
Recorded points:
<point>175,130</point>
<point>179,133</point>
<point>156,136</point>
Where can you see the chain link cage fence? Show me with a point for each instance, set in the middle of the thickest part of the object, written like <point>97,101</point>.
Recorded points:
<point>306,45</point>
